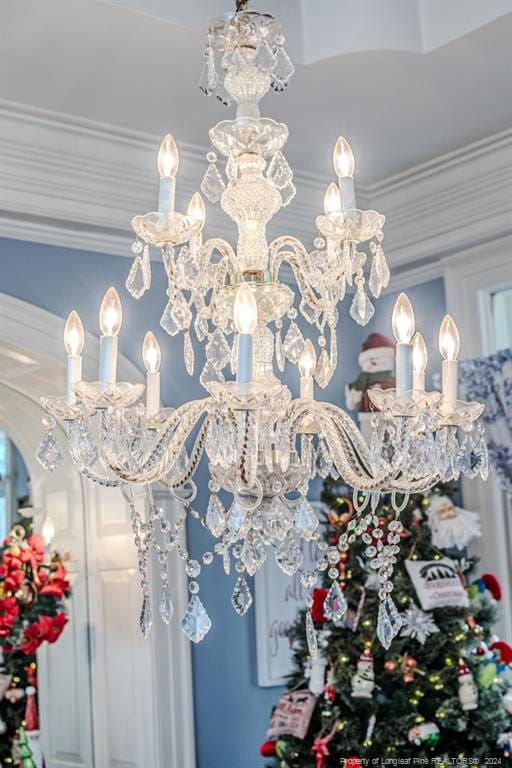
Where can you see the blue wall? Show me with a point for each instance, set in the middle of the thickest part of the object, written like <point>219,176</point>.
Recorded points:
<point>232,712</point>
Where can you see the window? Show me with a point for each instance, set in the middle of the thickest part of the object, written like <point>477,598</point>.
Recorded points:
<point>501,312</point>
<point>6,485</point>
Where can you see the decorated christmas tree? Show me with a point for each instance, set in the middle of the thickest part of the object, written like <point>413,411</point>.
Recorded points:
<point>33,588</point>
<point>439,689</point>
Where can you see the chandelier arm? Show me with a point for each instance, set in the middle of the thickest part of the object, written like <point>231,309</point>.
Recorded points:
<point>219,244</point>
<point>107,480</point>
<point>185,418</point>
<point>195,457</point>
<point>301,264</point>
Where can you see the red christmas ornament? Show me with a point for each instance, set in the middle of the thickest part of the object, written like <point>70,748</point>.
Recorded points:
<point>492,584</point>
<point>353,762</point>
<point>330,693</point>
<point>268,749</point>
<point>408,677</point>
<point>503,650</point>
<point>317,609</point>
<point>390,665</point>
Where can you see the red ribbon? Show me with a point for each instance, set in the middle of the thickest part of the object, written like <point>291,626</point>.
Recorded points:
<point>321,750</point>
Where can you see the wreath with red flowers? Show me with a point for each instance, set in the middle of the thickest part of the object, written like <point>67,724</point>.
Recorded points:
<point>33,588</point>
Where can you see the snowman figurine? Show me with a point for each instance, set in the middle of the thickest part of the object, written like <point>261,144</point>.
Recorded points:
<point>363,680</point>
<point>317,677</point>
<point>377,361</point>
<point>468,694</point>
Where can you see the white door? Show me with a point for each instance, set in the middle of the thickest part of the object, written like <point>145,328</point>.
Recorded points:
<point>142,689</point>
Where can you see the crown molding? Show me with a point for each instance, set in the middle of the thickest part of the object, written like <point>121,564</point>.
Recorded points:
<point>76,183</point>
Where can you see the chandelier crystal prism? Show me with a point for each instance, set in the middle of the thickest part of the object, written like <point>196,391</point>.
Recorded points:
<point>262,447</point>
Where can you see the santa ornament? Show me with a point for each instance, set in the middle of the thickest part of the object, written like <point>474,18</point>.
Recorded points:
<point>363,680</point>
<point>468,693</point>
<point>451,526</point>
<point>376,360</point>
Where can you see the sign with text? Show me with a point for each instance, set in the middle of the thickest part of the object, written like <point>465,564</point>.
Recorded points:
<point>437,583</point>
<point>278,599</point>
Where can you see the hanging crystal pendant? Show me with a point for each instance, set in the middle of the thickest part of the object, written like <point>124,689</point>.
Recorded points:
<point>311,637</point>
<point>323,371</point>
<point>305,520</point>
<point>196,623</point>
<point>241,599</point>
<point>49,453</point>
<point>167,321</point>
<point>213,184</point>
<point>361,309</point>
<point>188,353</point>
<point>217,350</point>
<point>384,628</point>
<point>146,619</point>
<point>215,516</point>
<point>282,71</point>
<point>293,343</point>
<point>289,558</point>
<point>135,284</point>
<point>165,604</point>
<point>335,605</point>
<point>278,171</point>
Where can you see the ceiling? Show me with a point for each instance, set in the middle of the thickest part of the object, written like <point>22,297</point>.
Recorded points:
<point>404,80</point>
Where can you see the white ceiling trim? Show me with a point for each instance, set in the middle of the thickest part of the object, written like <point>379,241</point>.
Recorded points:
<point>76,184</point>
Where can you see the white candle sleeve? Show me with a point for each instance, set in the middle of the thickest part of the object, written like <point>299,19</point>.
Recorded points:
<point>152,393</point>
<point>403,368</point>
<point>450,384</point>
<point>73,376</point>
<point>418,381</point>
<point>244,368</point>
<point>195,244</point>
<point>108,360</point>
<point>331,249</point>
<point>166,194</point>
<point>347,193</point>
<point>306,387</point>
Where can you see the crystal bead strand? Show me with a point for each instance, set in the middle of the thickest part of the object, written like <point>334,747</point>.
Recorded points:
<point>142,544</point>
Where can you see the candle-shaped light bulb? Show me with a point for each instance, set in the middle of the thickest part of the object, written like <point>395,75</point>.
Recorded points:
<point>307,365</point>
<point>196,209</point>
<point>449,346</point>
<point>111,317</point>
<point>332,200</point>
<point>343,158</point>
<point>73,343</point>
<point>48,531</point>
<point>403,319</point>
<point>168,161</point>
<point>307,360</point>
<point>449,339</point>
<point>419,361</point>
<point>245,310</point>
<point>73,335</point>
<point>245,318</point>
<point>111,313</point>
<point>403,328</point>
<point>152,358</point>
<point>151,353</point>
<point>343,161</point>
<point>168,157</point>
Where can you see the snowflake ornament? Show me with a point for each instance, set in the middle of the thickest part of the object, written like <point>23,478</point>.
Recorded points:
<point>418,624</point>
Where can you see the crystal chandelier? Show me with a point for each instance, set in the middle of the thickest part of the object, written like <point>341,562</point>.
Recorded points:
<point>262,446</point>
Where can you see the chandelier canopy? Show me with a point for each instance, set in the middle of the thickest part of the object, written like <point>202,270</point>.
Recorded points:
<point>262,446</point>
